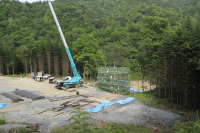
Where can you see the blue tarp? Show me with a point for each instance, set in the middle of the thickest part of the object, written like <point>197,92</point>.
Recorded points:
<point>132,90</point>
<point>124,86</point>
<point>2,105</point>
<point>104,104</point>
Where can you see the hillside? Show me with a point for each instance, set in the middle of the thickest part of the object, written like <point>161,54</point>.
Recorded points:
<point>157,39</point>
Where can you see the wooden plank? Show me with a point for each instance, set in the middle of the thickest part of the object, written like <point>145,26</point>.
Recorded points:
<point>62,98</point>
<point>81,105</point>
<point>43,111</point>
<point>58,114</point>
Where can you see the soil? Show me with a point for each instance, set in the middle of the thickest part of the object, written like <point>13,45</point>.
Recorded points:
<point>29,112</point>
<point>137,85</point>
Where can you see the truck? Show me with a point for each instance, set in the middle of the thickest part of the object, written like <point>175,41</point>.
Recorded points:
<point>38,76</point>
<point>76,80</point>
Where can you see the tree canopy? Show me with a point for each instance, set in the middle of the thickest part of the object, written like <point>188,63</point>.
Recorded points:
<point>157,38</point>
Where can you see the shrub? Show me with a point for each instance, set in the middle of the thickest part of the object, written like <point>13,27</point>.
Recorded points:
<point>2,119</point>
<point>187,127</point>
<point>78,122</point>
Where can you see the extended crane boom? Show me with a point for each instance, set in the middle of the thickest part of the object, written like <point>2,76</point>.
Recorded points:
<point>76,79</point>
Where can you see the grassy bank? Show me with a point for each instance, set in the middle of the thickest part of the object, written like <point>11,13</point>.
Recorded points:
<point>16,75</point>
<point>150,99</point>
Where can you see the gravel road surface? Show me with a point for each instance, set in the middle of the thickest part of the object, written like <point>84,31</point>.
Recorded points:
<point>29,111</point>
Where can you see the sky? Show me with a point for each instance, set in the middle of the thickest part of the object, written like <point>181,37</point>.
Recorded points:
<point>30,1</point>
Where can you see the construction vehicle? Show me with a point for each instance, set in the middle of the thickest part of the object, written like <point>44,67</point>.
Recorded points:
<point>76,80</point>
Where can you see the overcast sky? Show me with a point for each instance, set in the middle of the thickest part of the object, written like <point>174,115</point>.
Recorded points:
<point>30,1</point>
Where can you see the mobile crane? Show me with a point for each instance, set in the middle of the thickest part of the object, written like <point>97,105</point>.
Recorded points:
<point>76,80</point>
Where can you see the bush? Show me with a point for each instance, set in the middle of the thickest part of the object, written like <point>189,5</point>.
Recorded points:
<point>78,122</point>
<point>187,127</point>
<point>2,119</point>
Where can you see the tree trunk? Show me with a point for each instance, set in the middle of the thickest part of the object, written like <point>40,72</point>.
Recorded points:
<point>7,69</point>
<point>194,97</point>
<point>64,65</point>
<point>41,62</point>
<point>90,76</point>
<point>49,61</point>
<point>150,83</point>
<point>185,98</point>
<point>159,85</point>
<point>26,65</point>
<point>71,70</point>
<point>31,69</point>
<point>138,77</point>
<point>143,82</point>
<point>56,65</point>
<point>171,99</point>
<point>35,64</point>
<point>13,68</point>
<point>1,65</point>
<point>177,100</point>
<point>185,89</point>
<point>165,81</point>
<point>84,74</point>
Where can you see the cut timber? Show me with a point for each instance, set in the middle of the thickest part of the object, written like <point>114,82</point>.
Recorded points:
<point>71,90</point>
<point>81,105</point>
<point>43,111</point>
<point>28,94</point>
<point>12,97</point>
<point>62,98</point>
<point>58,114</point>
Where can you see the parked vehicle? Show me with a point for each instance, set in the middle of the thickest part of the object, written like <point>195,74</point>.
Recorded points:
<point>52,80</point>
<point>38,77</point>
<point>67,78</point>
<point>46,76</point>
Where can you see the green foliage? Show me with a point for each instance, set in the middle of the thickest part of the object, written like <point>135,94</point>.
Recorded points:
<point>149,99</point>
<point>78,122</point>
<point>87,53</point>
<point>117,31</point>
<point>187,127</point>
<point>2,119</point>
<point>134,33</point>
<point>23,130</point>
<point>16,75</point>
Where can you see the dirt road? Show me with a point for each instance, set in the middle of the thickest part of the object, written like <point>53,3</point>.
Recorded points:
<point>28,112</point>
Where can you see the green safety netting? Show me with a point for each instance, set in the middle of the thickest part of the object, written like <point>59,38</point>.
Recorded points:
<point>114,79</point>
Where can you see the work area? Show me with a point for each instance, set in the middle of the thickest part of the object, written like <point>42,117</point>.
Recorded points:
<point>54,109</point>
<point>99,66</point>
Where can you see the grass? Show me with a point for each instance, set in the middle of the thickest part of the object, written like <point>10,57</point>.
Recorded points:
<point>2,119</point>
<point>150,99</point>
<point>103,127</point>
<point>187,127</point>
<point>1,131</point>
<point>16,75</point>
<point>81,122</point>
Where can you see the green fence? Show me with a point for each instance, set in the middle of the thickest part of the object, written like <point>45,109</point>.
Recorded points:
<point>114,79</point>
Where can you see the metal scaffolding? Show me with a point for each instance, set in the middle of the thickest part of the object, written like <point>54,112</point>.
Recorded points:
<point>114,79</point>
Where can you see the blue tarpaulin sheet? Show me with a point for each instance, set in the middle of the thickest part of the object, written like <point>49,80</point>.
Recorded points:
<point>132,90</point>
<point>104,104</point>
<point>2,105</point>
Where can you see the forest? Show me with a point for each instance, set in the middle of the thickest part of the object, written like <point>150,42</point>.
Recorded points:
<point>158,39</point>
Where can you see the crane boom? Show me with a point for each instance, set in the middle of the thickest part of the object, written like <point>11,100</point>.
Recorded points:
<point>75,72</point>
<point>76,79</point>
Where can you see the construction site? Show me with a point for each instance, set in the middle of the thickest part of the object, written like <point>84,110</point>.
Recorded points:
<point>45,103</point>
<point>41,103</point>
